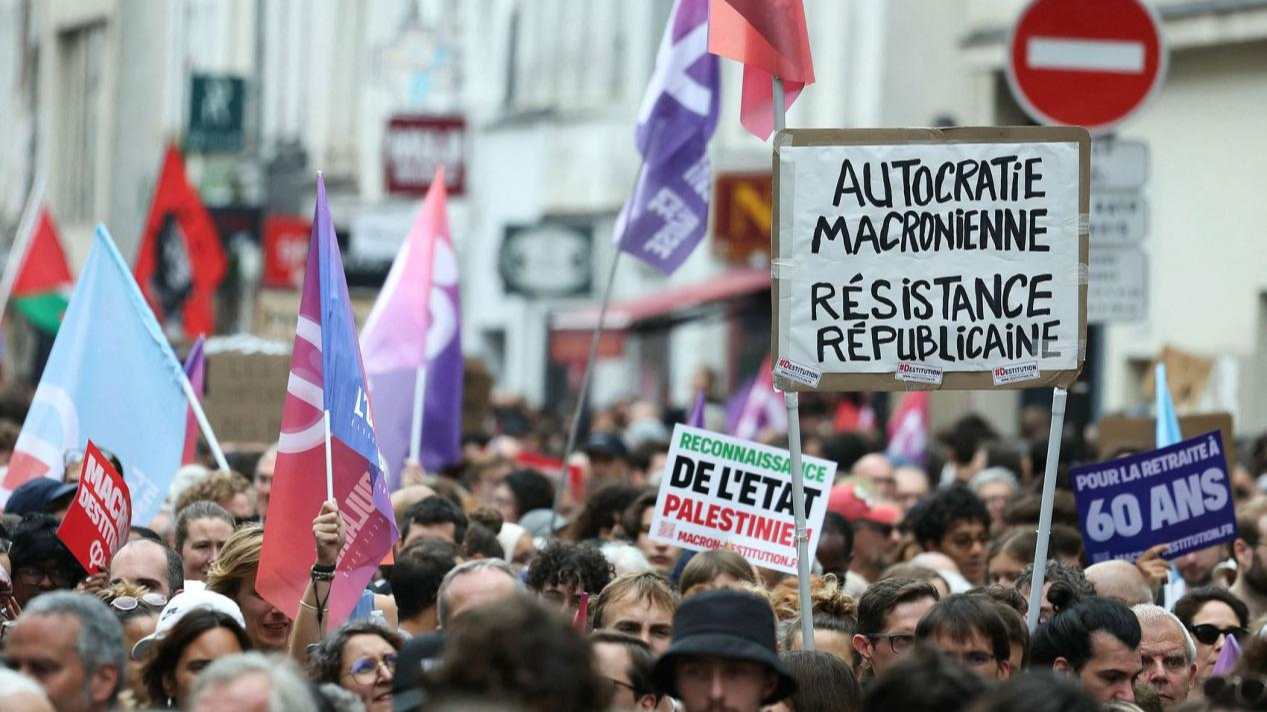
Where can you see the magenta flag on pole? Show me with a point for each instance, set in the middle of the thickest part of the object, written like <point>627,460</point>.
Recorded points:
<point>416,322</point>
<point>196,371</point>
<point>325,375</point>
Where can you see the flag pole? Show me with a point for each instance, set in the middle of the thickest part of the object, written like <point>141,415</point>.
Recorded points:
<point>21,241</point>
<point>792,400</point>
<point>583,395</point>
<point>1049,496</point>
<point>203,424</point>
<point>415,427</point>
<point>329,459</point>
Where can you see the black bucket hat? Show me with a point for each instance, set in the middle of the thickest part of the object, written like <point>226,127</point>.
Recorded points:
<point>727,624</point>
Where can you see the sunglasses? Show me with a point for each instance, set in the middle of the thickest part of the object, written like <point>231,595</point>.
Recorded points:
<point>1244,690</point>
<point>129,603</point>
<point>33,575</point>
<point>1207,634</point>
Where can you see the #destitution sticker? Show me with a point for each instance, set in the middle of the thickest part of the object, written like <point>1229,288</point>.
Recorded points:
<point>1015,373</point>
<point>919,373</point>
<point>800,373</point>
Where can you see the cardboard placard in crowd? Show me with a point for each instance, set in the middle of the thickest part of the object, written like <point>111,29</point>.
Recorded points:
<point>930,258</point>
<point>1179,495</point>
<point>97,524</point>
<point>718,491</point>
<point>1117,434</point>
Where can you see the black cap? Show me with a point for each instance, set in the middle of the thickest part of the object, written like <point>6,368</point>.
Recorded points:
<point>608,444</point>
<point>727,624</point>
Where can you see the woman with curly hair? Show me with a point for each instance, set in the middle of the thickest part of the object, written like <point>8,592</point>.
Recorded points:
<point>359,656</point>
<point>835,616</point>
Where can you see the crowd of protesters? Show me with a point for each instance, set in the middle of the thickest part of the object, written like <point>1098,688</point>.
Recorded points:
<point>920,591</point>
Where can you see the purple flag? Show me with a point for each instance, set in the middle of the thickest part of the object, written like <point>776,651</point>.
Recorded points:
<point>697,411</point>
<point>756,407</point>
<point>415,324</point>
<point>668,212</point>
<point>196,370</point>
<point>1228,657</point>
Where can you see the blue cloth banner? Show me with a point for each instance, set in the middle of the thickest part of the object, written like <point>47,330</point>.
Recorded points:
<point>1178,495</point>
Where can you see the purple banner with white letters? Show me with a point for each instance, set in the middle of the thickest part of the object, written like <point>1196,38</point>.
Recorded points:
<point>1178,495</point>
<point>668,212</point>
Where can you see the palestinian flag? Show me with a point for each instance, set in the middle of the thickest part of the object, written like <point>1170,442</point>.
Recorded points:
<point>43,283</point>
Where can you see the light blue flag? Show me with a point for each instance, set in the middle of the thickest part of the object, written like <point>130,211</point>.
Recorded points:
<point>111,377</point>
<point>1167,422</point>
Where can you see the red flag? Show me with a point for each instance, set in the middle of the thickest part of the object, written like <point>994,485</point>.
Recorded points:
<point>770,38</point>
<point>181,261</point>
<point>42,285</point>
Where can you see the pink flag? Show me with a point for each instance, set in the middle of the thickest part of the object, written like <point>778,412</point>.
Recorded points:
<point>415,324</point>
<point>908,429</point>
<point>326,375</point>
<point>759,407</point>
<point>196,370</point>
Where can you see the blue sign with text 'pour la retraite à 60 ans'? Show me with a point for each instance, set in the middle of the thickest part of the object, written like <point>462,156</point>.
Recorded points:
<point>1178,495</point>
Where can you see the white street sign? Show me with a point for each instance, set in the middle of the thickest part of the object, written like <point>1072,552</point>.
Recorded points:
<point>1118,164</point>
<point>1118,217</point>
<point>1117,288</point>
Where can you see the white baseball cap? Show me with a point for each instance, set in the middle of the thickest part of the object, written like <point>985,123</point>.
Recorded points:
<point>177,607</point>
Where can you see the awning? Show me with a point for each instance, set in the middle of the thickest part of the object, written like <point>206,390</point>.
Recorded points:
<point>672,304</point>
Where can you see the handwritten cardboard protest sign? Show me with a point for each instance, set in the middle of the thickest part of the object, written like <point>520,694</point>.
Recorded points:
<point>953,258</point>
<point>98,521</point>
<point>1178,495</point>
<point>721,491</point>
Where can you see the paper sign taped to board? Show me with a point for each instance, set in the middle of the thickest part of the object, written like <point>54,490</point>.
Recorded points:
<point>1178,495</point>
<point>97,524</point>
<point>718,491</point>
<point>798,372</point>
<point>961,249</point>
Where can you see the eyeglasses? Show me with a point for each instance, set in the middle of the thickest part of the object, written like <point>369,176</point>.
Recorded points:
<point>33,575</point>
<point>1207,634</point>
<point>76,456</point>
<point>129,603</point>
<point>1244,690</point>
<point>964,541</point>
<point>884,530</point>
<point>365,670</point>
<point>899,643</point>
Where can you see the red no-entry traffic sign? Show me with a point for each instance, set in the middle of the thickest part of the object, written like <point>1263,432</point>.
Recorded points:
<point>1089,63</point>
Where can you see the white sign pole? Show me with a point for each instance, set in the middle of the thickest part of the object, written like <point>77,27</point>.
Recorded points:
<point>203,424</point>
<point>1044,515</point>
<point>793,402</point>
<point>415,428</point>
<point>329,459</point>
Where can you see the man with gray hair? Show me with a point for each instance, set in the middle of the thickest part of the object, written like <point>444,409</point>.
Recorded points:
<point>21,694</point>
<point>472,584</point>
<point>252,682</point>
<point>1122,580</point>
<point>72,645</point>
<point>1168,654</point>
